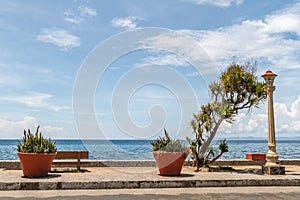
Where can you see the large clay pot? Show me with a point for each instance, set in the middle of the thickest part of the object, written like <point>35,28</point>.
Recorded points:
<point>169,163</point>
<point>36,165</point>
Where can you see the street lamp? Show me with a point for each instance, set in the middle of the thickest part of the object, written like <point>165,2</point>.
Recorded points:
<point>272,166</point>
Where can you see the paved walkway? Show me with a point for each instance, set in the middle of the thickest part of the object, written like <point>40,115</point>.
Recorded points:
<point>144,177</point>
<point>229,193</point>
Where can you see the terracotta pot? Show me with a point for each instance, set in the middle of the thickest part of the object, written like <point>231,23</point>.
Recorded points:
<point>169,163</point>
<point>36,165</point>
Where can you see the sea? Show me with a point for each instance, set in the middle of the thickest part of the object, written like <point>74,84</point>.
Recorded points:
<point>142,150</point>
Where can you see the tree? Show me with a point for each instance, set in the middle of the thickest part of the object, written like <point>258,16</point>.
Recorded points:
<point>237,89</point>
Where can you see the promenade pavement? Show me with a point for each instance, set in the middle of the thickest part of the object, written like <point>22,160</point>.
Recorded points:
<point>147,177</point>
<point>212,193</point>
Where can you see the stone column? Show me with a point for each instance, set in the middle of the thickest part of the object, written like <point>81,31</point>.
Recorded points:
<point>272,166</point>
<point>272,156</point>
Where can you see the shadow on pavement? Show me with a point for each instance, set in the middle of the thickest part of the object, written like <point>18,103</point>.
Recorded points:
<point>43,177</point>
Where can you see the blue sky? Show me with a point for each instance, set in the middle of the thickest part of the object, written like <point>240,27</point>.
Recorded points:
<point>45,46</point>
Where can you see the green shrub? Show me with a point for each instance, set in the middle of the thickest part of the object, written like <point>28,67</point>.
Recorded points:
<point>36,143</point>
<point>167,144</point>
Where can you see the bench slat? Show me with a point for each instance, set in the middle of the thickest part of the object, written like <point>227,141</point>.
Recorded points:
<point>72,154</point>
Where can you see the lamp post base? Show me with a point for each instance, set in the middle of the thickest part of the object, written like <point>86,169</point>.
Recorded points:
<point>273,169</point>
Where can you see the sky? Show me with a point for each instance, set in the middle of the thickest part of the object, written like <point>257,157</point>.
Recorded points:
<point>125,69</point>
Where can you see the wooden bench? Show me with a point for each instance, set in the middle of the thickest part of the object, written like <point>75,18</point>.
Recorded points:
<point>70,155</point>
<point>255,156</point>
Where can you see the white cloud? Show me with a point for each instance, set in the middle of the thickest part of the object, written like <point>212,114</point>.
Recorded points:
<point>14,129</point>
<point>285,20</point>
<point>257,122</point>
<point>78,16</point>
<point>255,39</point>
<point>59,37</point>
<point>283,23</point>
<point>51,129</point>
<point>219,3</point>
<point>87,11</point>
<point>128,23</point>
<point>295,108</point>
<point>165,60</point>
<point>34,100</point>
<point>287,122</point>
<point>185,48</point>
<point>73,20</point>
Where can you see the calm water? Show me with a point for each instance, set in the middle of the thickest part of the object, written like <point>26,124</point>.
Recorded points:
<point>141,149</point>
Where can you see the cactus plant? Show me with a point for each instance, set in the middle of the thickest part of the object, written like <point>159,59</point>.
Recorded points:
<point>167,144</point>
<point>36,143</point>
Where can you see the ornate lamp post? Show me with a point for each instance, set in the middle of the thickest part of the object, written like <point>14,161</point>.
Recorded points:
<point>272,166</point>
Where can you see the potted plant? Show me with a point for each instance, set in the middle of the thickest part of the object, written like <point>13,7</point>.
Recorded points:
<point>36,154</point>
<point>169,154</point>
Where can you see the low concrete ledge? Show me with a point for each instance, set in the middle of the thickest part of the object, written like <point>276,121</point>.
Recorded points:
<point>239,162</point>
<point>289,162</point>
<point>120,163</point>
<point>15,164</point>
<point>10,164</point>
<point>145,184</point>
<point>253,162</point>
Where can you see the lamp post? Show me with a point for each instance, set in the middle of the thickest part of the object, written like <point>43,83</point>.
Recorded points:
<point>272,166</point>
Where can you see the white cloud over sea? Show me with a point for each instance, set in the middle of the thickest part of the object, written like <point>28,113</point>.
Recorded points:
<point>287,122</point>
<point>14,129</point>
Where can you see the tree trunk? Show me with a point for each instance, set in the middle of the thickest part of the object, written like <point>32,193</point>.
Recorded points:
<point>206,144</point>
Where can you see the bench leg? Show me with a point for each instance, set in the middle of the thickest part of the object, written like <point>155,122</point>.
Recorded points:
<point>78,161</point>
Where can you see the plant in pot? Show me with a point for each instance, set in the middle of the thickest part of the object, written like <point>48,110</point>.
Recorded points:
<point>169,155</point>
<point>36,154</point>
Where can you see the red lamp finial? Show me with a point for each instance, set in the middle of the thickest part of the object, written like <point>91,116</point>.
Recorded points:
<point>268,73</point>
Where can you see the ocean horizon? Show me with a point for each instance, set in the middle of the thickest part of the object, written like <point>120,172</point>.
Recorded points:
<point>142,150</point>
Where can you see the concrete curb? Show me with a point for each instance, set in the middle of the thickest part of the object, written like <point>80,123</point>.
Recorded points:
<point>15,164</point>
<point>145,184</point>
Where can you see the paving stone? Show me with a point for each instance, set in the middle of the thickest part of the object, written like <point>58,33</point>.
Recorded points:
<point>144,177</point>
